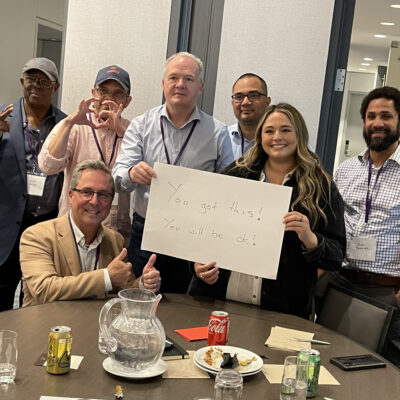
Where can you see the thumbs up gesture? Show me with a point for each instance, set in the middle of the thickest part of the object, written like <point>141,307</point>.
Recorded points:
<point>151,276</point>
<point>119,270</point>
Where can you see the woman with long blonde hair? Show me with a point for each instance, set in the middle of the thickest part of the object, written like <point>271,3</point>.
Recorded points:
<point>314,226</point>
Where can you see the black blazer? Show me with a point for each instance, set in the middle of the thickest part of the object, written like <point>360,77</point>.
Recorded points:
<point>13,190</point>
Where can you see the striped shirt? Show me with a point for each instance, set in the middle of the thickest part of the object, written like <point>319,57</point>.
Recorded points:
<point>384,218</point>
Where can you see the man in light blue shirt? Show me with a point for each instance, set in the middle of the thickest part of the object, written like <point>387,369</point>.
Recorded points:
<point>176,133</point>
<point>249,101</point>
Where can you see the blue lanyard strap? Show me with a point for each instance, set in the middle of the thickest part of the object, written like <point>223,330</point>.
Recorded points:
<point>99,148</point>
<point>368,200</point>
<point>183,146</point>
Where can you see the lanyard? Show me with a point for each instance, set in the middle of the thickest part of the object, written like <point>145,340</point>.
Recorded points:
<point>98,145</point>
<point>77,248</point>
<point>242,144</point>
<point>368,200</point>
<point>183,146</point>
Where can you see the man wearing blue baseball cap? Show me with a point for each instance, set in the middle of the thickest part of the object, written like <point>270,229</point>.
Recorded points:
<point>27,195</point>
<point>94,131</point>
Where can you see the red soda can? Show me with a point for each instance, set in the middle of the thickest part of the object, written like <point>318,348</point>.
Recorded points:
<point>218,328</point>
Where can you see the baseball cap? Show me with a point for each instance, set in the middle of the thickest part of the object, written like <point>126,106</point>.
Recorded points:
<point>116,73</point>
<point>44,65</point>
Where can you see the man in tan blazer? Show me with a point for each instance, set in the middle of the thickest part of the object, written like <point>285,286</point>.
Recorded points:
<point>75,256</point>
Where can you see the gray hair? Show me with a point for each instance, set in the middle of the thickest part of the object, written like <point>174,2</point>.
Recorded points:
<point>188,55</point>
<point>96,165</point>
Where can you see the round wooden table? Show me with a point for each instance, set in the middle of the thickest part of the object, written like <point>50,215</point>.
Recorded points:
<point>249,328</point>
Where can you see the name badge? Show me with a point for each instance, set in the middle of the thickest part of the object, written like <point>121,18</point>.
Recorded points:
<point>115,199</point>
<point>363,249</point>
<point>35,184</point>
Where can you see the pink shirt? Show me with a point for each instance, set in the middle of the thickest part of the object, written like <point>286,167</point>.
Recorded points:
<point>82,146</point>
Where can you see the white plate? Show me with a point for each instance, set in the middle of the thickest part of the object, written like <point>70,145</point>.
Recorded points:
<point>250,369</point>
<point>116,369</point>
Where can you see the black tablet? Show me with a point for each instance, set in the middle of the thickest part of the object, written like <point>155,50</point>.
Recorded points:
<point>352,363</point>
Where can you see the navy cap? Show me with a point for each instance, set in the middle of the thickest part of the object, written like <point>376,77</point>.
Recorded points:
<point>116,73</point>
<point>44,65</point>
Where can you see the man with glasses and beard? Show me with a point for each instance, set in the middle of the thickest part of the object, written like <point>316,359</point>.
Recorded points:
<point>27,195</point>
<point>370,186</point>
<point>93,132</point>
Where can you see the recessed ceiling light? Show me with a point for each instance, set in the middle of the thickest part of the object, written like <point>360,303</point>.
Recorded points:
<point>362,69</point>
<point>368,59</point>
<point>395,5</point>
<point>380,36</point>
<point>366,64</point>
<point>388,23</point>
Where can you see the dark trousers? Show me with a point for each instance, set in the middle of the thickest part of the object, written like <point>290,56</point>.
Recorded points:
<point>10,275</point>
<point>383,294</point>
<point>10,270</point>
<point>174,272</point>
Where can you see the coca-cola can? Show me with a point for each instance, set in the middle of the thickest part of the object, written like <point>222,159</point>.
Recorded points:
<point>218,328</point>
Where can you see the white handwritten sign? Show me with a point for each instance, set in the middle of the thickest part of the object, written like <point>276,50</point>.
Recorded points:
<point>202,216</point>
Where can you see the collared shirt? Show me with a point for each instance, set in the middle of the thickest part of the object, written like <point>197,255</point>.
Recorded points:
<point>82,146</point>
<point>208,149</point>
<point>87,253</point>
<point>243,287</point>
<point>239,143</point>
<point>384,219</point>
<point>33,139</point>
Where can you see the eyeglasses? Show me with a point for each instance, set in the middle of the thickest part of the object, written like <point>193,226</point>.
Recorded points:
<point>118,95</point>
<point>46,83</point>
<point>88,194</point>
<point>251,96</point>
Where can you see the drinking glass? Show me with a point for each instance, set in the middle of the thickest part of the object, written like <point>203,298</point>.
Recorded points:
<point>228,385</point>
<point>294,379</point>
<point>8,356</point>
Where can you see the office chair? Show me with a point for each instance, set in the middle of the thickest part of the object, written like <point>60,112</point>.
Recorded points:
<point>359,317</point>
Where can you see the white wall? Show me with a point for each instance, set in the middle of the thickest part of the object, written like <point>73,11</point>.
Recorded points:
<point>286,42</point>
<point>18,39</point>
<point>132,34</point>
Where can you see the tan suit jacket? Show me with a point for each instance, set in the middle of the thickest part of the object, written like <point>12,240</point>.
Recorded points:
<point>51,267</point>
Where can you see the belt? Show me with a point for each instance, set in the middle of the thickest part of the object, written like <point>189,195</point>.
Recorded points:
<point>370,278</point>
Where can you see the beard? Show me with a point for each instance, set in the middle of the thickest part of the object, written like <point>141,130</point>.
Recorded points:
<point>381,143</point>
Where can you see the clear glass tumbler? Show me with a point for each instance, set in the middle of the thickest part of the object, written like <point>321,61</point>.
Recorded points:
<point>294,379</point>
<point>8,356</point>
<point>228,385</point>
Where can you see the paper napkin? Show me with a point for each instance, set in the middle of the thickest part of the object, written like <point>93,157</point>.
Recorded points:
<point>284,339</point>
<point>184,368</point>
<point>273,372</point>
<point>190,334</point>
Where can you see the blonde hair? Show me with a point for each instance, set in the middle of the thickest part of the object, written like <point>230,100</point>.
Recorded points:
<point>309,172</point>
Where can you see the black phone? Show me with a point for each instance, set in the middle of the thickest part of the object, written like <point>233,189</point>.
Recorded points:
<point>353,363</point>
